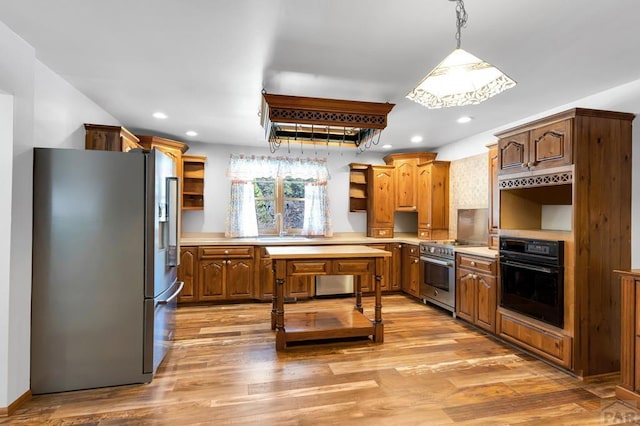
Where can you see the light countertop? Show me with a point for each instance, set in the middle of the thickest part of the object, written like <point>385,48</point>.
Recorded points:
<point>203,239</point>
<point>478,251</point>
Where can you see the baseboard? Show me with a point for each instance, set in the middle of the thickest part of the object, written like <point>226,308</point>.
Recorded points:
<point>7,411</point>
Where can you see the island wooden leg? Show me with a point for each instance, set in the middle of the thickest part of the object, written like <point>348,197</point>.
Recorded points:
<point>357,280</point>
<point>378,327</point>
<point>280,269</point>
<point>274,298</point>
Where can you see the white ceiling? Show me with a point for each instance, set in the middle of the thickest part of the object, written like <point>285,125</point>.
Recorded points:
<point>205,62</point>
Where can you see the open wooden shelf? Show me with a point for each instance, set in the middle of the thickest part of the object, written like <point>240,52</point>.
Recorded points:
<point>193,182</point>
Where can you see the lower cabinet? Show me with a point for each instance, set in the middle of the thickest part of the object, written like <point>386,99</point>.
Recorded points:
<point>368,284</point>
<point>188,274</point>
<point>411,269</point>
<point>476,290</point>
<point>535,337</point>
<point>629,387</point>
<point>395,266</point>
<point>213,273</point>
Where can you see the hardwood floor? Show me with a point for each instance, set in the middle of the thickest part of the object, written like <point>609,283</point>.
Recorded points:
<point>431,369</point>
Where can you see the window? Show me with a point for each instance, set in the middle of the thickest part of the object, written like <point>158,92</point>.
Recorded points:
<point>270,196</point>
<point>280,196</point>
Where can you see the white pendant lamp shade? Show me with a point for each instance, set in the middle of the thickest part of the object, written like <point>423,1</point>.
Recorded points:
<point>460,79</point>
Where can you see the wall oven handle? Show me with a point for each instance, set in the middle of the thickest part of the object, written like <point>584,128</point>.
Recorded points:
<point>530,267</point>
<point>173,296</point>
<point>436,261</point>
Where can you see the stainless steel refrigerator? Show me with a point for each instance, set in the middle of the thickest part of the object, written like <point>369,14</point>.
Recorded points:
<point>105,254</point>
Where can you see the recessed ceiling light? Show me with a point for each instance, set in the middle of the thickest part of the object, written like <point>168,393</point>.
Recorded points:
<point>387,146</point>
<point>160,115</point>
<point>464,119</point>
<point>416,139</point>
<point>191,133</point>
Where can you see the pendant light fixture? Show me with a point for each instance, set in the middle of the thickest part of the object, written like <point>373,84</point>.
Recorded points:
<point>461,78</point>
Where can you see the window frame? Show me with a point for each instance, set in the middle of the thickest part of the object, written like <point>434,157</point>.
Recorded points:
<point>279,201</point>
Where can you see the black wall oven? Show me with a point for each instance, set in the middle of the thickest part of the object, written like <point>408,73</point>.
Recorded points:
<point>532,278</point>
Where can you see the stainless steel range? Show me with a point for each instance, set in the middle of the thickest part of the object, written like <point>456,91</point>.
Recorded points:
<point>437,274</point>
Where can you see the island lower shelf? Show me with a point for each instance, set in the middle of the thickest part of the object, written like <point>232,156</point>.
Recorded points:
<point>332,324</point>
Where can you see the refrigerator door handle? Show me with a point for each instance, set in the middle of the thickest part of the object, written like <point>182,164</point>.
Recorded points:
<point>173,254</point>
<point>173,296</point>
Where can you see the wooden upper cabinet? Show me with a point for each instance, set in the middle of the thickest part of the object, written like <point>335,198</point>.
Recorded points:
<point>380,201</point>
<point>433,200</point>
<point>494,197</point>
<point>550,145</point>
<point>406,178</point>
<point>109,138</point>
<point>544,146</point>
<point>193,182</point>
<point>173,149</point>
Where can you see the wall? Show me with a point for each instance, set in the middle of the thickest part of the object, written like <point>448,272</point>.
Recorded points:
<point>625,98</point>
<point>47,111</point>
<point>216,191</point>
<point>468,187</point>
<point>6,141</point>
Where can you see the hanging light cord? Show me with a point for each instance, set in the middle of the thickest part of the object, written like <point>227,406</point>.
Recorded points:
<point>461,20</point>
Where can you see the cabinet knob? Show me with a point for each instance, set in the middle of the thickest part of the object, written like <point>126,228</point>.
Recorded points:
<point>415,260</point>
<point>428,225</point>
<point>473,263</point>
<point>226,252</point>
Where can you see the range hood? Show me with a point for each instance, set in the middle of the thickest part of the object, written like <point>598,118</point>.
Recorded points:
<point>338,122</point>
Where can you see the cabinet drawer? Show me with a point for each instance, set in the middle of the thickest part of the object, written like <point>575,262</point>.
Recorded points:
<point>413,250</point>
<point>297,267</point>
<point>381,233</point>
<point>477,263</point>
<point>424,234</point>
<point>550,345</point>
<point>225,251</point>
<point>353,266</point>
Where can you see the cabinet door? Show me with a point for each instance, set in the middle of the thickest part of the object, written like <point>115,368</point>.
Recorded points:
<point>440,197</point>
<point>368,282</point>
<point>212,279</point>
<point>266,279</point>
<point>238,279</point>
<point>188,274</point>
<point>395,268</point>
<point>411,269</point>
<point>551,146</point>
<point>405,175</point>
<point>486,302</point>
<point>380,201</point>
<point>300,286</point>
<point>513,153</point>
<point>465,294</point>
<point>424,200</point>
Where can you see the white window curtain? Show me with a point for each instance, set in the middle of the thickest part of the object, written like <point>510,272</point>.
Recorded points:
<point>241,214</point>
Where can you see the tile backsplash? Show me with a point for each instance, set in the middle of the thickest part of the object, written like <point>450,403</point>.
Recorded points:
<point>468,187</point>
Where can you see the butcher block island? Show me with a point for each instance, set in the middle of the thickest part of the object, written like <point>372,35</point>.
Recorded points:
<point>360,261</point>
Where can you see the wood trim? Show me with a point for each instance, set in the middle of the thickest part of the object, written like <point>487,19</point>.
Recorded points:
<point>625,395</point>
<point>7,411</point>
<point>571,113</point>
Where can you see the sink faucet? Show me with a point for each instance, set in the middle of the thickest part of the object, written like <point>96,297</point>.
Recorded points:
<point>280,225</point>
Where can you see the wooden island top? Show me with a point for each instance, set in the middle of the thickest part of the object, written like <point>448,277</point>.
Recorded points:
<point>357,260</point>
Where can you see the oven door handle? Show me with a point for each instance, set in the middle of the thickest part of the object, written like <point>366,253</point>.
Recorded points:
<point>530,267</point>
<point>437,262</point>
